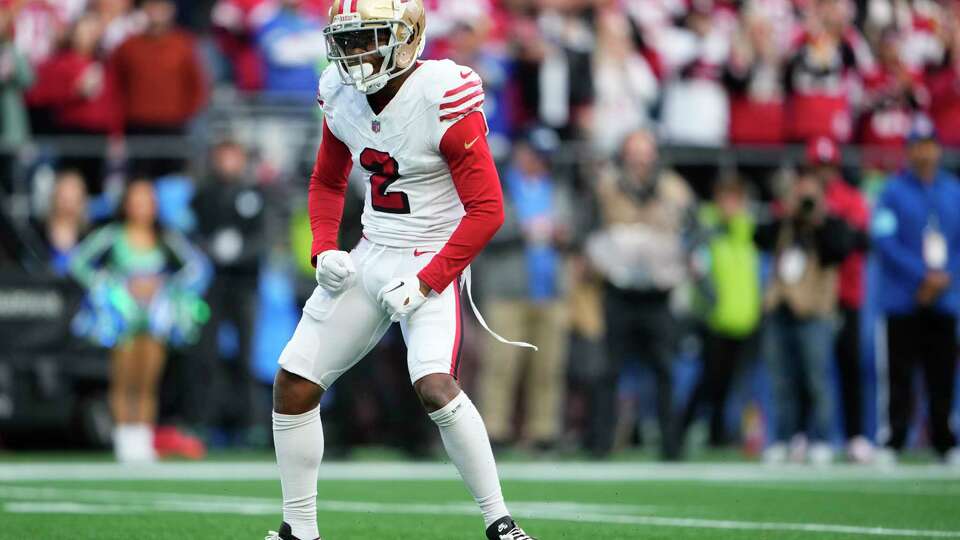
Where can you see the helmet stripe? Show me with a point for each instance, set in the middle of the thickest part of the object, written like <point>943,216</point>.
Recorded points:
<point>353,6</point>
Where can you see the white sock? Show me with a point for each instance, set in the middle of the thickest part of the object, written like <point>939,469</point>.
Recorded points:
<point>123,442</point>
<point>298,440</point>
<point>465,438</point>
<point>143,443</point>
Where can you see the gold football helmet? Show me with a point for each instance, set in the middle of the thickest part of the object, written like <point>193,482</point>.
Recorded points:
<point>361,32</point>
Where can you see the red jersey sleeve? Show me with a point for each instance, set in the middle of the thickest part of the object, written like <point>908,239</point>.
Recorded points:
<point>464,147</point>
<point>328,188</point>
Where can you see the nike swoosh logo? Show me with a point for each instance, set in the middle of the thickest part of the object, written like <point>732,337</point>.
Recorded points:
<point>395,288</point>
<point>469,145</point>
<point>465,74</point>
<point>417,252</point>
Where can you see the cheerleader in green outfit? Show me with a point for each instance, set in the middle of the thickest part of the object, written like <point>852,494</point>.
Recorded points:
<point>145,285</point>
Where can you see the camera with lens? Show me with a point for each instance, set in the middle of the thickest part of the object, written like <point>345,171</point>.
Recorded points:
<point>807,207</point>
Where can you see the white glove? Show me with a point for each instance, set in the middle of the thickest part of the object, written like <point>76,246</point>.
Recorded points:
<point>401,297</point>
<point>335,271</point>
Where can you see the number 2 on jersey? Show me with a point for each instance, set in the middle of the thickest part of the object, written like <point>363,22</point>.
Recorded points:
<point>385,171</point>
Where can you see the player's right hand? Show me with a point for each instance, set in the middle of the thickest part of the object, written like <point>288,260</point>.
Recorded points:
<point>335,271</point>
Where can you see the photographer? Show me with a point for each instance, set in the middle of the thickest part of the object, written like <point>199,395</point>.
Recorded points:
<point>808,244</point>
<point>845,201</point>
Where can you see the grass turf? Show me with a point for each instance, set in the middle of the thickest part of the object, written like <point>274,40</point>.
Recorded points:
<point>821,506</point>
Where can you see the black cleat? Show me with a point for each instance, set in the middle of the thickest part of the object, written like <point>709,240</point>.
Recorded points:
<point>286,533</point>
<point>506,528</point>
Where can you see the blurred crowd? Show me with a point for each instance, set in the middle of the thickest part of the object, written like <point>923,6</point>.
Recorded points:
<point>655,290</point>
<point>704,73</point>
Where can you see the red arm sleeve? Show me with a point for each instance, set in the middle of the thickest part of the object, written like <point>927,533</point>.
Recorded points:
<point>465,149</point>
<point>328,187</point>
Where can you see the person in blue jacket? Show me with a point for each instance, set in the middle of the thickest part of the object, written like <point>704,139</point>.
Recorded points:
<point>916,233</point>
<point>291,44</point>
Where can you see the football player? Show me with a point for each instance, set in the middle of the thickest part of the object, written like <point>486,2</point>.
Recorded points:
<point>417,131</point>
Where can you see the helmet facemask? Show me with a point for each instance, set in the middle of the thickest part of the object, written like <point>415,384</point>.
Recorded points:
<point>378,40</point>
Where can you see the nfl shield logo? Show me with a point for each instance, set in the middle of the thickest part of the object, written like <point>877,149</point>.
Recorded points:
<point>375,126</point>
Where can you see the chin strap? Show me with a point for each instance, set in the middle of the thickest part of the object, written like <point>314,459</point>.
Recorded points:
<point>476,312</point>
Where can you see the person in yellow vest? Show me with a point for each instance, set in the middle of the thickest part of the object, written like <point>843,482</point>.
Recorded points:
<point>726,270</point>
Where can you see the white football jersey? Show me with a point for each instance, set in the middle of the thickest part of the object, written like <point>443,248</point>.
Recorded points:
<point>410,198</point>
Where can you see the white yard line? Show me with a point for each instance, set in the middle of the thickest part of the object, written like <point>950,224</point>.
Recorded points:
<point>823,528</point>
<point>860,488</point>
<point>538,472</point>
<point>568,512</point>
<point>106,496</point>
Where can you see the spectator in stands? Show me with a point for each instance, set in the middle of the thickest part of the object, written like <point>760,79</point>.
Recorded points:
<point>524,282</point>
<point>626,86</point>
<point>847,203</point>
<point>119,20</point>
<point>291,44</point>
<point>893,94</point>
<point>695,104</point>
<point>754,77</point>
<point>639,253</point>
<point>916,233</point>
<point>830,61</point>
<point>943,82</point>
<point>40,24</point>
<point>230,220</point>
<point>919,25</point>
<point>144,285</point>
<point>66,222</point>
<point>726,271</point>
<point>235,25</point>
<point>446,15</point>
<point>807,243</point>
<point>551,55</point>
<point>161,81</point>
<point>16,76</point>
<point>81,94</point>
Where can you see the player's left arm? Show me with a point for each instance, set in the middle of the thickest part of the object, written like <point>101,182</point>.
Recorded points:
<point>464,147</point>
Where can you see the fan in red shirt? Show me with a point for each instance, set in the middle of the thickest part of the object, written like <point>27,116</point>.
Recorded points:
<point>162,83</point>
<point>79,94</point>
<point>235,22</point>
<point>893,94</point>
<point>943,82</point>
<point>159,73</point>
<point>831,59</point>
<point>76,85</point>
<point>754,77</point>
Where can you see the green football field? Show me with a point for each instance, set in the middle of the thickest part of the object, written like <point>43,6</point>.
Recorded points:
<point>425,501</point>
